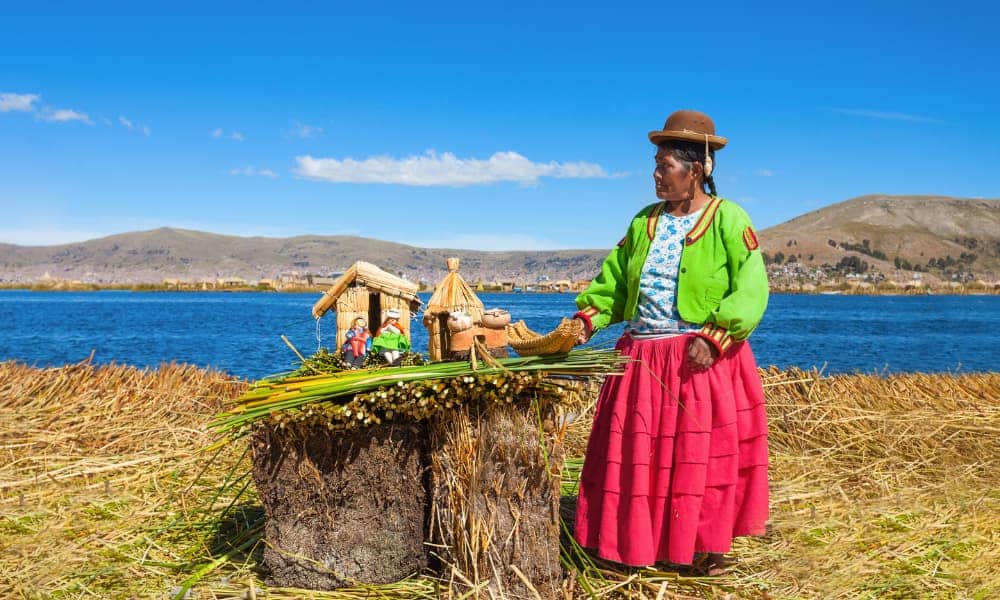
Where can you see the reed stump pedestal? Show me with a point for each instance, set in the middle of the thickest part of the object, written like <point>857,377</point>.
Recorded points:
<point>472,492</point>
<point>342,507</point>
<point>495,499</point>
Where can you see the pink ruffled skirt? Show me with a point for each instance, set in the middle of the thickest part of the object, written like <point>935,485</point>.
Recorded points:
<point>677,460</point>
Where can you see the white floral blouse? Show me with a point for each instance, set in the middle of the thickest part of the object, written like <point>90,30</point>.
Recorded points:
<point>656,314</point>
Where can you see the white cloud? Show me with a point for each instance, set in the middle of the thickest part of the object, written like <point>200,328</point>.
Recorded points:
<point>26,103</point>
<point>304,132</point>
<point>885,115</point>
<point>764,173</point>
<point>64,115</point>
<point>444,169</point>
<point>18,102</point>
<point>143,129</point>
<point>219,134</point>
<point>252,172</point>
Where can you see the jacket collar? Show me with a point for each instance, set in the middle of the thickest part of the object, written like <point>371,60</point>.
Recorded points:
<point>699,228</point>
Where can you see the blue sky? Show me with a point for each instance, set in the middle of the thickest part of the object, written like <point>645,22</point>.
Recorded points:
<point>494,126</point>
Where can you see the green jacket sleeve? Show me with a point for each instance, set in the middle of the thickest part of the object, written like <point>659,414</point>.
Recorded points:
<point>742,308</point>
<point>603,302</point>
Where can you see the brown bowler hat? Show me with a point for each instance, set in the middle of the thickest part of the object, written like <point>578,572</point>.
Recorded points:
<point>689,126</point>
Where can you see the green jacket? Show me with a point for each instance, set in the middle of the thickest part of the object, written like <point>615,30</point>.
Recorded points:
<point>722,282</point>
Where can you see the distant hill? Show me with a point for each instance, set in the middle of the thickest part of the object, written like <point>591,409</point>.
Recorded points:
<point>962,233</point>
<point>150,256</point>
<point>915,229</point>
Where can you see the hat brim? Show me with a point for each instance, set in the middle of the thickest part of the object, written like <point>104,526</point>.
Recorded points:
<point>715,142</point>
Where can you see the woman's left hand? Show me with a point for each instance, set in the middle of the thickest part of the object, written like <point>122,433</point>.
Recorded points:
<point>701,354</point>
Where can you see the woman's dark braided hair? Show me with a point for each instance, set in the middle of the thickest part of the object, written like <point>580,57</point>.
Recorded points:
<point>688,153</point>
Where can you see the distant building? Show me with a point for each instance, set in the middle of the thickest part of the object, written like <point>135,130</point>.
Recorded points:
<point>320,281</point>
<point>562,285</point>
<point>230,282</point>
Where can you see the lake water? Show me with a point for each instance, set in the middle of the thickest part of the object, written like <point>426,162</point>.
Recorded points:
<point>239,332</point>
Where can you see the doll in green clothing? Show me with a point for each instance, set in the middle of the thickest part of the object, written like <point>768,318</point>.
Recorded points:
<point>390,340</point>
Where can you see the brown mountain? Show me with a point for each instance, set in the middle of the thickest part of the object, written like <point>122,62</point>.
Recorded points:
<point>914,228</point>
<point>150,256</point>
<point>963,233</point>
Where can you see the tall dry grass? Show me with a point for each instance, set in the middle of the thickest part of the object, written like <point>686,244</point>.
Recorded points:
<point>882,487</point>
<point>94,459</point>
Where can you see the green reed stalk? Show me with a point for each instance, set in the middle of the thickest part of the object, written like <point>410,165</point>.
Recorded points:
<point>282,394</point>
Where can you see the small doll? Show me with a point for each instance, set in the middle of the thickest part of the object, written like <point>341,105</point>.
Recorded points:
<point>390,339</point>
<point>359,342</point>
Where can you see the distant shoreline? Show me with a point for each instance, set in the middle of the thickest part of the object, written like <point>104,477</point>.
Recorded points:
<point>832,291</point>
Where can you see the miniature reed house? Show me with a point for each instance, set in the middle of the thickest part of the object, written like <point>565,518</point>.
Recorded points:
<point>455,318</point>
<point>367,291</point>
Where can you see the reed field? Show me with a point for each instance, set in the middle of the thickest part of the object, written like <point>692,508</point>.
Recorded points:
<point>882,487</point>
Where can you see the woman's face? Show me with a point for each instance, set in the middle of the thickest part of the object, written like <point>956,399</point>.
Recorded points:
<point>673,181</point>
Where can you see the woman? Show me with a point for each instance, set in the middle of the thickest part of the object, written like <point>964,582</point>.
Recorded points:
<point>676,464</point>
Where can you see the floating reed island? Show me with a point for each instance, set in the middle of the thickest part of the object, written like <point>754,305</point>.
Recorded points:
<point>882,487</point>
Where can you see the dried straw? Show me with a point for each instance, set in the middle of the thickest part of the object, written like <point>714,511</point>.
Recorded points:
<point>495,498</point>
<point>97,476</point>
<point>882,487</point>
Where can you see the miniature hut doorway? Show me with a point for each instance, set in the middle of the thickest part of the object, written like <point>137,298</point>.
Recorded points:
<point>374,310</point>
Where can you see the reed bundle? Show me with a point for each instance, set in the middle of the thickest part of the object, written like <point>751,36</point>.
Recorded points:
<point>358,398</point>
<point>495,498</point>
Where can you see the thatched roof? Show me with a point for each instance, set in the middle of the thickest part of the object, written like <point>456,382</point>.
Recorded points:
<point>371,277</point>
<point>453,293</point>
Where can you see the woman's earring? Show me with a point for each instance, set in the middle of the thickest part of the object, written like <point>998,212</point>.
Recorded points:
<point>708,159</point>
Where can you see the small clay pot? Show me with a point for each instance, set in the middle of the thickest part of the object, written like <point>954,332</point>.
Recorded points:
<point>459,321</point>
<point>496,318</point>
